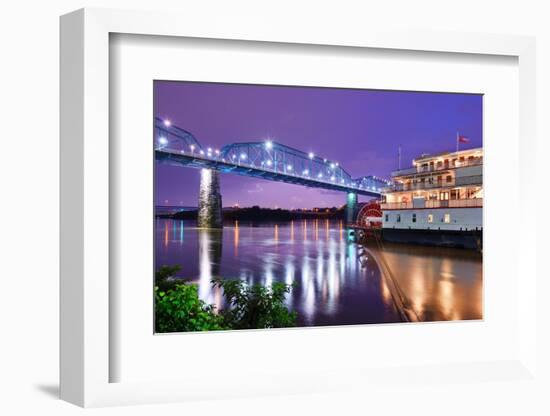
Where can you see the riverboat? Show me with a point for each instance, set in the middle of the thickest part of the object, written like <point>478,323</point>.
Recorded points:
<point>438,201</point>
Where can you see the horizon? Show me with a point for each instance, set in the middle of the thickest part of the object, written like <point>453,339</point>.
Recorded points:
<point>361,129</point>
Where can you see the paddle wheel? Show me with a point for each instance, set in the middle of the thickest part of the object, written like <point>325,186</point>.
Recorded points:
<point>370,215</point>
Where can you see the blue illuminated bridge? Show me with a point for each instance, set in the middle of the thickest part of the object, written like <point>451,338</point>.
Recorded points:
<point>263,159</point>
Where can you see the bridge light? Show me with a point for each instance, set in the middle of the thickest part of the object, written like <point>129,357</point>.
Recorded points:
<point>336,163</point>
<point>163,140</point>
<point>332,178</point>
<point>243,156</point>
<point>232,156</point>
<point>167,123</point>
<point>343,181</point>
<point>192,147</point>
<point>305,172</point>
<point>332,166</point>
<point>311,155</point>
<point>268,144</point>
<point>324,160</point>
<point>202,152</point>
<point>217,151</point>
<point>320,175</point>
<point>209,150</point>
<point>289,167</point>
<point>269,163</point>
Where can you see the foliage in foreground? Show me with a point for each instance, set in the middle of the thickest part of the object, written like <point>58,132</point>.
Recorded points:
<point>179,309</point>
<point>165,277</point>
<point>255,306</point>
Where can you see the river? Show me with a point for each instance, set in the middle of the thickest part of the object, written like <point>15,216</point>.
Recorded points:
<point>338,282</point>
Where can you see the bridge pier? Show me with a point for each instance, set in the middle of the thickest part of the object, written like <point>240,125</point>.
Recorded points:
<point>351,205</point>
<point>210,200</point>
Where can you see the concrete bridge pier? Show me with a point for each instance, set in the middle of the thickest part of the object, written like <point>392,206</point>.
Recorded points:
<point>351,205</point>
<point>210,200</point>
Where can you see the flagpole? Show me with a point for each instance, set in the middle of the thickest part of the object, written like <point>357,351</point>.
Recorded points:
<point>399,157</point>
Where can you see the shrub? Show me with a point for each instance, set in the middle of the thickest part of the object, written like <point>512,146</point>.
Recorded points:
<point>180,310</point>
<point>165,277</point>
<point>255,306</point>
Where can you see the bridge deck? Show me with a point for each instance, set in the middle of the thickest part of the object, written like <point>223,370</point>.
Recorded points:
<point>199,161</point>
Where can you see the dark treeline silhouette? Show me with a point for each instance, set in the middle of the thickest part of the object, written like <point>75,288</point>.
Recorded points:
<point>256,213</point>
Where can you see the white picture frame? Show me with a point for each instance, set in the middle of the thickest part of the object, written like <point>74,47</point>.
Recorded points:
<point>85,212</point>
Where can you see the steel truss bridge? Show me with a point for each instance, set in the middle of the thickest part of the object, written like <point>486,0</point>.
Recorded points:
<point>264,159</point>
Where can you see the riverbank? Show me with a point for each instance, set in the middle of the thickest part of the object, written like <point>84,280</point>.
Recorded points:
<point>262,214</point>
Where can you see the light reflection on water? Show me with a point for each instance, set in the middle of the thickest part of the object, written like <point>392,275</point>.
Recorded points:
<point>334,285</point>
<point>441,283</point>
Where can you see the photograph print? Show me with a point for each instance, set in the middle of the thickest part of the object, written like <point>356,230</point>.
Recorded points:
<point>290,206</point>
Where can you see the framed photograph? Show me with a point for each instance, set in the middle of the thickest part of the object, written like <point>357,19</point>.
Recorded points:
<point>320,208</point>
<point>286,228</point>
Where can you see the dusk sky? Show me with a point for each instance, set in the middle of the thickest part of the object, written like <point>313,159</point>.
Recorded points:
<point>361,129</point>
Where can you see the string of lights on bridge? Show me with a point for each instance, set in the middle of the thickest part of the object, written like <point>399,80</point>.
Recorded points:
<point>195,150</point>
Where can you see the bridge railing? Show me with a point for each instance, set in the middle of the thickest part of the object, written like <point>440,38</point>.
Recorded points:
<point>279,158</point>
<point>174,139</point>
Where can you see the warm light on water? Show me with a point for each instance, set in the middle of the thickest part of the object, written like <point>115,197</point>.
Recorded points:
<point>338,283</point>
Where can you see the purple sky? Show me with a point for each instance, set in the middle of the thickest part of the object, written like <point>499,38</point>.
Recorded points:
<point>361,129</point>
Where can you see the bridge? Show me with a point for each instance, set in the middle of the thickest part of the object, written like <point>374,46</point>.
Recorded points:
<point>263,159</point>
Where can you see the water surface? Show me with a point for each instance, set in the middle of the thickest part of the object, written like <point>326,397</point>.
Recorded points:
<point>338,282</point>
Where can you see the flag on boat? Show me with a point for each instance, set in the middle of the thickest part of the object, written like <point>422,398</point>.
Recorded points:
<point>461,139</point>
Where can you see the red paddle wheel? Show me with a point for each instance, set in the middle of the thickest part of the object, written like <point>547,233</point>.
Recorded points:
<point>370,215</point>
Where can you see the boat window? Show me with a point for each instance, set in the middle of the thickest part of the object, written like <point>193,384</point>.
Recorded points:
<point>414,218</point>
<point>447,218</point>
<point>430,218</point>
<point>398,217</point>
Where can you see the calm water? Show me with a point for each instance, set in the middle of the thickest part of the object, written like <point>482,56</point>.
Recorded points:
<point>338,282</point>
